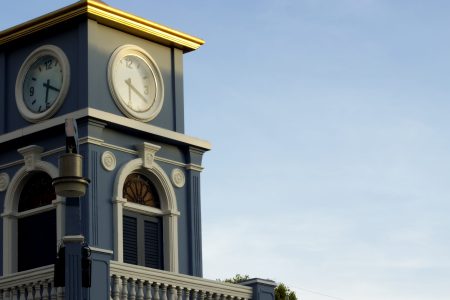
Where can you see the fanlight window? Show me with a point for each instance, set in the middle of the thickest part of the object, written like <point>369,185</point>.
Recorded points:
<point>138,189</point>
<point>38,191</point>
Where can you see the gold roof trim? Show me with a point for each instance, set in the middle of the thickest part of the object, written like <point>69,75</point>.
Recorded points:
<point>109,16</point>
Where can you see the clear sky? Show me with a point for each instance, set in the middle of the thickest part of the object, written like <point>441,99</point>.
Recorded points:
<point>329,119</point>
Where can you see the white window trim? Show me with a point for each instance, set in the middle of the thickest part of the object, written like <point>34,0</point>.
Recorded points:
<point>168,211</point>
<point>10,212</point>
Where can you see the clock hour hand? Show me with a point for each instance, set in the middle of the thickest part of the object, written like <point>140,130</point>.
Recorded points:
<point>48,86</point>
<point>131,86</point>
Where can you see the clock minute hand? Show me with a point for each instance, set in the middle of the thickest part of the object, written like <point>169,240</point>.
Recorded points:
<point>47,86</point>
<point>128,82</point>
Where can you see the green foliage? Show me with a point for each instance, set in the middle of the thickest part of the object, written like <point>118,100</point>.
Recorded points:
<point>237,278</point>
<point>282,292</point>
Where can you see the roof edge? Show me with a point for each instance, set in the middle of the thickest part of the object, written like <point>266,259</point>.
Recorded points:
<point>109,16</point>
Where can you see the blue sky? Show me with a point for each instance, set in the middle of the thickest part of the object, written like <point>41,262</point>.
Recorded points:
<point>329,121</point>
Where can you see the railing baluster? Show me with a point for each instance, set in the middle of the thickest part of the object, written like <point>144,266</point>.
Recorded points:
<point>7,294</point>
<point>156,291</point>
<point>1,294</point>
<point>29,290</point>
<point>148,291</point>
<point>45,290</point>
<point>115,288</point>
<point>124,294</point>
<point>163,291</point>
<point>179,293</point>
<point>37,291</point>
<point>132,293</point>
<point>140,290</point>
<point>172,292</point>
<point>201,295</point>
<point>187,294</point>
<point>15,294</point>
<point>194,294</point>
<point>52,291</point>
<point>60,293</point>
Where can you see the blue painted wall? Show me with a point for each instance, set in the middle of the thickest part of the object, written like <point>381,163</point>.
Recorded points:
<point>88,47</point>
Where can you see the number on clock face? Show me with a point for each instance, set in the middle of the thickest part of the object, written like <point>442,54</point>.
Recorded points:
<point>135,83</point>
<point>42,84</point>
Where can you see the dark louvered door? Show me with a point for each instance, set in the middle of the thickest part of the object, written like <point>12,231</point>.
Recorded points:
<point>130,240</point>
<point>143,240</point>
<point>153,243</point>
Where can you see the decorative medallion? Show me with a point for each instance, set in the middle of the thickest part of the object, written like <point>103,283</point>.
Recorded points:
<point>109,161</point>
<point>4,181</point>
<point>178,178</point>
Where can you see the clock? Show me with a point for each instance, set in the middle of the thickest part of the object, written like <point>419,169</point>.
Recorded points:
<point>136,83</point>
<point>42,83</point>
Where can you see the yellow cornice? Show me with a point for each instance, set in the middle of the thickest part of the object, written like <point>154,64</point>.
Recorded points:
<point>109,16</point>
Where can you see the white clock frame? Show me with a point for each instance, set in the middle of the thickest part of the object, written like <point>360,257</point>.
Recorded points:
<point>57,52</point>
<point>155,108</point>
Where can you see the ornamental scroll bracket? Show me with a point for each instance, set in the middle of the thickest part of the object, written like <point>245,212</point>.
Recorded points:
<point>147,153</point>
<point>31,155</point>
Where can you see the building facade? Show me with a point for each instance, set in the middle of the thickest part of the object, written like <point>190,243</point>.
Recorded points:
<point>121,78</point>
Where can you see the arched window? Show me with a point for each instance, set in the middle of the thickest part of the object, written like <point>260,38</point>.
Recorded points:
<point>142,232</point>
<point>33,216</point>
<point>145,216</point>
<point>36,222</point>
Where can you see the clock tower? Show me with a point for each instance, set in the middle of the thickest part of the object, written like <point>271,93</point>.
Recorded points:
<point>121,78</point>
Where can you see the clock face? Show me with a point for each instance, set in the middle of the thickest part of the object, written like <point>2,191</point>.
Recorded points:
<point>135,83</point>
<point>42,83</point>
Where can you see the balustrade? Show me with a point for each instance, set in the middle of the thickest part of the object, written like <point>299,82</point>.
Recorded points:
<point>130,282</point>
<point>36,284</point>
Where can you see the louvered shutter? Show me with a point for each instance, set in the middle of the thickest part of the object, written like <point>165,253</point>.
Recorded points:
<point>153,243</point>
<point>130,247</point>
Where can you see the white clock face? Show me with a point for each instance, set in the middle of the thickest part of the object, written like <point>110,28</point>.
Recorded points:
<point>42,84</point>
<point>135,83</point>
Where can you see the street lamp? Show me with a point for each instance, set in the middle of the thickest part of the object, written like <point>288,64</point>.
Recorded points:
<point>71,182</point>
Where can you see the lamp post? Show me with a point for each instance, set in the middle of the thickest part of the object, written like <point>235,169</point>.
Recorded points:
<point>72,261</point>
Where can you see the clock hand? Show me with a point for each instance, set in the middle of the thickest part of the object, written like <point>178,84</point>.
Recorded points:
<point>131,86</point>
<point>128,82</point>
<point>47,86</point>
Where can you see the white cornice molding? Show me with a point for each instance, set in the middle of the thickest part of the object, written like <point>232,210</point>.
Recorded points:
<point>42,126</point>
<point>148,128</point>
<point>111,119</point>
<point>100,142</point>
